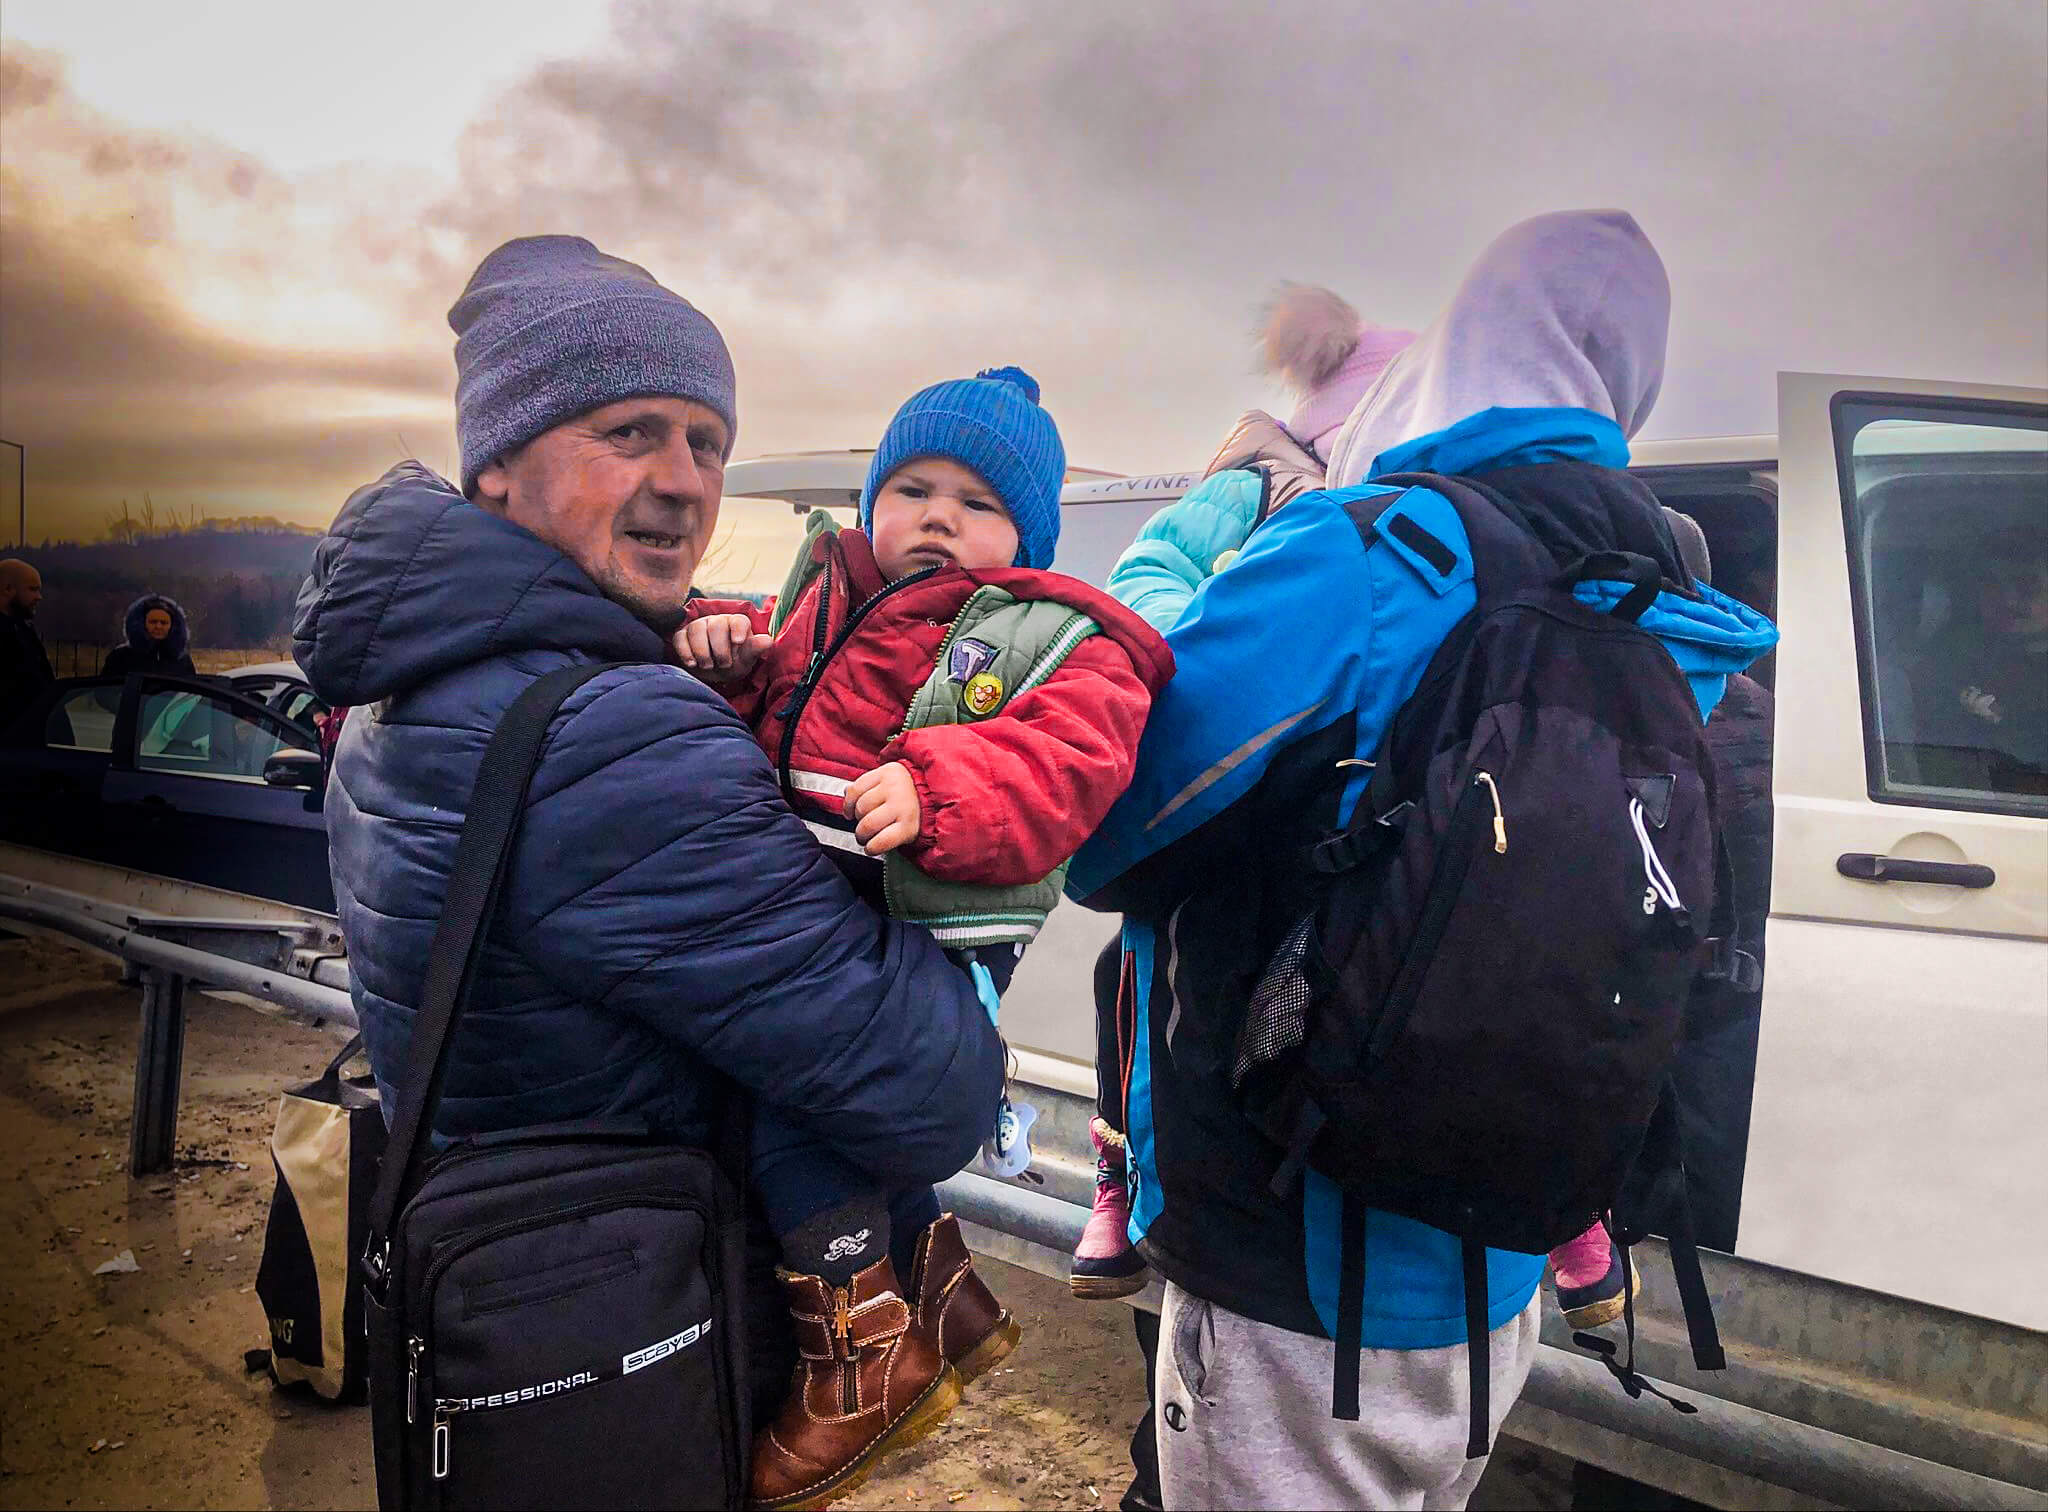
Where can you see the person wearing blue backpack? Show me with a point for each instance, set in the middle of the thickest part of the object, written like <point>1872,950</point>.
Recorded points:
<point>1299,637</point>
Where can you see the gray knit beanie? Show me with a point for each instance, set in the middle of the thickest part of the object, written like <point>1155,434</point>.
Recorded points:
<point>550,327</point>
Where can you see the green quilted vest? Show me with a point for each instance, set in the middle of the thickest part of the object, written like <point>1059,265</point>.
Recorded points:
<point>1000,646</point>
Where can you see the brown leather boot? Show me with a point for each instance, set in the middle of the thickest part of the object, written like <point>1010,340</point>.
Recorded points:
<point>954,1307</point>
<point>866,1383</point>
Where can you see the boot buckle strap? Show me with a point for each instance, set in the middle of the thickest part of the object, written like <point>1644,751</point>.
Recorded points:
<point>875,1321</point>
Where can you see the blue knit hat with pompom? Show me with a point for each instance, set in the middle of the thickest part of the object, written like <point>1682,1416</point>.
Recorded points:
<point>991,423</point>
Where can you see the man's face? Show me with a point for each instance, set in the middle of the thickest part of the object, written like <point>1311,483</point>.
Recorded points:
<point>20,592</point>
<point>2014,597</point>
<point>157,624</point>
<point>629,492</point>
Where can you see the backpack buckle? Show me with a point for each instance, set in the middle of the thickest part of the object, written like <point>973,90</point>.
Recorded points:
<point>1737,967</point>
<point>1352,847</point>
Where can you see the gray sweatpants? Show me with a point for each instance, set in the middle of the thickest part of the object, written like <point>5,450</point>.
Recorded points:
<point>1242,1412</point>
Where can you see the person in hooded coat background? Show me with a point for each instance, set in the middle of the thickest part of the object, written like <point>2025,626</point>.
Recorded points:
<point>1293,654</point>
<point>157,639</point>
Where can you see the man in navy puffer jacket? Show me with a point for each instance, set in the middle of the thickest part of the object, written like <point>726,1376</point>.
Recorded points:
<point>665,916</point>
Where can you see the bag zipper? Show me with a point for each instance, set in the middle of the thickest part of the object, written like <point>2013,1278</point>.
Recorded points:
<point>1661,889</point>
<point>438,1262</point>
<point>1500,819</point>
<point>437,1265</point>
<point>1436,911</point>
<point>821,657</point>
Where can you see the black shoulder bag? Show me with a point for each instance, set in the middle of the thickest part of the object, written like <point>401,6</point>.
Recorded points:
<point>554,1313</point>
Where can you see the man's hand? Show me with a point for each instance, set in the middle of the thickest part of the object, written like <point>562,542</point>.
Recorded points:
<point>884,802</point>
<point>721,647</point>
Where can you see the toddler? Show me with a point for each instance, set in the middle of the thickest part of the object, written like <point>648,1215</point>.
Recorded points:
<point>952,720</point>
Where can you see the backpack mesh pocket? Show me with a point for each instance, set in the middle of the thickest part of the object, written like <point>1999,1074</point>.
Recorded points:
<point>1276,1022</point>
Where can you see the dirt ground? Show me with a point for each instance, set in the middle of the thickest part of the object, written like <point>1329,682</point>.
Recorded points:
<point>128,1390</point>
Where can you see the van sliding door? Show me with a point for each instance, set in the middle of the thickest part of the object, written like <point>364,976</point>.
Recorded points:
<point>1898,1139</point>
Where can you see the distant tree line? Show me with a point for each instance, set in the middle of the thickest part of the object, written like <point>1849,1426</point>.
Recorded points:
<point>236,579</point>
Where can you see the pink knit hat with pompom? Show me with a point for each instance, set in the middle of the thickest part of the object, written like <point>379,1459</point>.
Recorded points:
<point>1329,356</point>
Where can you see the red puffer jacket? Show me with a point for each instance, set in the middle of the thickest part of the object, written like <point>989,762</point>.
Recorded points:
<point>1004,800</point>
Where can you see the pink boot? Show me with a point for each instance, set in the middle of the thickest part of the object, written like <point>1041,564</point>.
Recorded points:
<point>1589,1279</point>
<point>1105,1265</point>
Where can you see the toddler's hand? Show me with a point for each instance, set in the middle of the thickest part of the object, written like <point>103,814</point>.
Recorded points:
<point>720,647</point>
<point>884,802</point>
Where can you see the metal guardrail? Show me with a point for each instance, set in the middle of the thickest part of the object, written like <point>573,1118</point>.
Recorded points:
<point>1834,1396</point>
<point>1753,1451</point>
<point>276,960</point>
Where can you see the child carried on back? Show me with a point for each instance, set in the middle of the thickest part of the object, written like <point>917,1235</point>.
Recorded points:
<point>953,720</point>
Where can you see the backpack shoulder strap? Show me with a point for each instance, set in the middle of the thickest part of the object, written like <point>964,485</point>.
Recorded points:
<point>1505,559</point>
<point>496,805</point>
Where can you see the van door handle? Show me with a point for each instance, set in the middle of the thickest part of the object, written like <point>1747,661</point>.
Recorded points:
<point>1865,867</point>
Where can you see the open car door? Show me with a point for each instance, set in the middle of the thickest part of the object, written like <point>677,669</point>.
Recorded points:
<point>1899,1137</point>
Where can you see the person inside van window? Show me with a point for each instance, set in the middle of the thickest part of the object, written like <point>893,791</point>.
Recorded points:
<point>1981,689</point>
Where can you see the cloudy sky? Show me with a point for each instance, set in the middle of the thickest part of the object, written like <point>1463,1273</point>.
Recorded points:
<point>229,232</point>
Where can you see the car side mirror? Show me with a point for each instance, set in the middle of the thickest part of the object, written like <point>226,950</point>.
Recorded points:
<point>293,769</point>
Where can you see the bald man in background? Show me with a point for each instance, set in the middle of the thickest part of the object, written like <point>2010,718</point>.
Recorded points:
<point>24,665</point>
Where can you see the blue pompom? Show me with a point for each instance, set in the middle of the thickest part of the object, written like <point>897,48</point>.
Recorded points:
<point>1015,375</point>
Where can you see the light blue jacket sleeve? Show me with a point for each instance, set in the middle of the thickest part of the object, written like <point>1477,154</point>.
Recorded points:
<point>1311,624</point>
<point>1251,677</point>
<point>1177,550</point>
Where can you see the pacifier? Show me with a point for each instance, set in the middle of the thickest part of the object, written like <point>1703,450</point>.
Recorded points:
<point>1006,1153</point>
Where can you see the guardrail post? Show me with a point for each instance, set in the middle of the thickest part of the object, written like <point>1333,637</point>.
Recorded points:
<point>159,1073</point>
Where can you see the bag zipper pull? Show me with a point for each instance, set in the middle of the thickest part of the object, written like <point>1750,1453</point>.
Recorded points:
<point>414,1348</point>
<point>1500,819</point>
<point>443,1446</point>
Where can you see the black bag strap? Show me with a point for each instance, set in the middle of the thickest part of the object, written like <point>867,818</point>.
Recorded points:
<point>1726,960</point>
<point>1478,1349</point>
<point>342,1057</point>
<point>1655,1196</point>
<point>1644,577</point>
<point>496,805</point>
<point>1350,1339</point>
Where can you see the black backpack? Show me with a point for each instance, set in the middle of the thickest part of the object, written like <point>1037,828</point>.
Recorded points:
<point>1474,1026</point>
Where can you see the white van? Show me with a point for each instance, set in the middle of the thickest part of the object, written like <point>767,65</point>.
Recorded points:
<point>1885,1303</point>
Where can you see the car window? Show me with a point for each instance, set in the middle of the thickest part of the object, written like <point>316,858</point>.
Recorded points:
<point>300,704</point>
<point>198,735</point>
<point>83,719</point>
<point>1947,513</point>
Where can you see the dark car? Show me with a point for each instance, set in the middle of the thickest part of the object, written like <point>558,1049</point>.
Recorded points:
<point>280,687</point>
<point>181,776</point>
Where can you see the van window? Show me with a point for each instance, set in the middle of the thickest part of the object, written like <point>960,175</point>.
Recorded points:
<point>1946,509</point>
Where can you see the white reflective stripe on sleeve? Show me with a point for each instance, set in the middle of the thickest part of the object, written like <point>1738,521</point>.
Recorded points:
<point>834,839</point>
<point>819,784</point>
